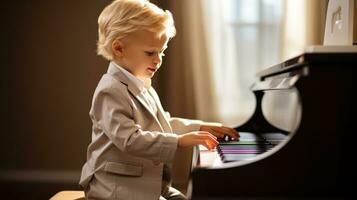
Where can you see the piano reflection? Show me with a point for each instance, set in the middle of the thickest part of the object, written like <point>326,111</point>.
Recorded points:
<point>300,141</point>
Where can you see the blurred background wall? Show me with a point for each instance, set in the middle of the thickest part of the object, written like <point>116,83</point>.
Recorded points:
<point>49,70</point>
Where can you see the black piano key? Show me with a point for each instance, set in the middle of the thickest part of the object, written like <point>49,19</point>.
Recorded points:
<point>274,138</point>
<point>248,146</point>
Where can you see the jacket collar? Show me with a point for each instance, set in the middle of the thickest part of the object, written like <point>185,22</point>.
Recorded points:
<point>133,85</point>
<point>137,92</point>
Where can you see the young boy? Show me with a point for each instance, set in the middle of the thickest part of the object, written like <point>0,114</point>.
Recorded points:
<point>133,139</point>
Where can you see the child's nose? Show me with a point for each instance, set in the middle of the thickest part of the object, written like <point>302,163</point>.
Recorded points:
<point>157,59</point>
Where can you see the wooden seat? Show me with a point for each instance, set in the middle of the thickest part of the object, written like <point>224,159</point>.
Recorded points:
<point>68,195</point>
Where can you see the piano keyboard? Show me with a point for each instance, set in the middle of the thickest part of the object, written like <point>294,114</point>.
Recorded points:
<point>248,146</point>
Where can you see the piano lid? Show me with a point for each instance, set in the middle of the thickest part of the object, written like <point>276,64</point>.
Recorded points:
<point>313,54</point>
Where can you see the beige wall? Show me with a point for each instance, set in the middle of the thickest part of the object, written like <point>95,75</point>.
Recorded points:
<point>355,23</point>
<point>49,70</point>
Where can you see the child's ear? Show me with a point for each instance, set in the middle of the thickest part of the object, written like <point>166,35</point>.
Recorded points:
<point>118,48</point>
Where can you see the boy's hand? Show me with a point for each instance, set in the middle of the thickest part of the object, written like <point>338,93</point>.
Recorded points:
<point>198,137</point>
<point>221,131</point>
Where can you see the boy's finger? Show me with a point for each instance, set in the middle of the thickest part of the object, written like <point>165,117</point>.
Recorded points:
<point>211,145</point>
<point>211,138</point>
<point>205,144</point>
<point>206,134</point>
<point>231,132</point>
<point>219,132</point>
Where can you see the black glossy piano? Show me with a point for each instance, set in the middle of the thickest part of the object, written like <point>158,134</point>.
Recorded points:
<point>300,143</point>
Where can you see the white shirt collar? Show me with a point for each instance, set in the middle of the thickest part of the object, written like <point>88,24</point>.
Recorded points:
<point>142,84</point>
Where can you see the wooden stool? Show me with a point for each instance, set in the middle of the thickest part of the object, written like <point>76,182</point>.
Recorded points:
<point>68,195</point>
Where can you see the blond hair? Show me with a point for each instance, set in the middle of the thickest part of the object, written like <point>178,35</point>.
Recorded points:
<point>122,17</point>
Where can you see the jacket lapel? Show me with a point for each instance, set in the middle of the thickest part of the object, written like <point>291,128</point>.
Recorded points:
<point>161,113</point>
<point>133,90</point>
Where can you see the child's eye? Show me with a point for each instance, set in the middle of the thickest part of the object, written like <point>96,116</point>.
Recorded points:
<point>149,53</point>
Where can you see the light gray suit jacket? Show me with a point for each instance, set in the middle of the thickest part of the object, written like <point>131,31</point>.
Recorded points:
<point>131,148</point>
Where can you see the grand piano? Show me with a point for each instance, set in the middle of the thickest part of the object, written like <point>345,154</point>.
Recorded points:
<point>300,142</point>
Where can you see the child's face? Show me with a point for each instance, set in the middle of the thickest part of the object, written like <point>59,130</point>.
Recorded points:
<point>142,53</point>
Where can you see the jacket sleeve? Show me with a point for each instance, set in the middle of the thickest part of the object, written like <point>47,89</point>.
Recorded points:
<point>182,126</point>
<point>112,112</point>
